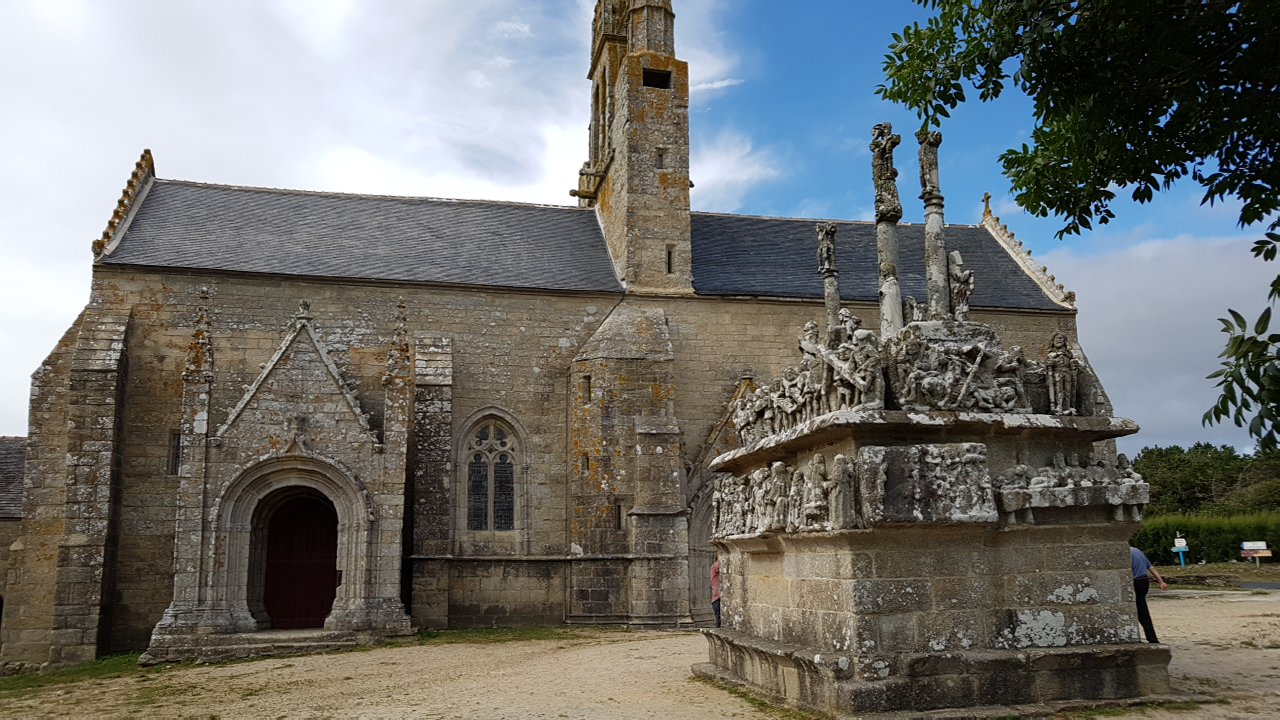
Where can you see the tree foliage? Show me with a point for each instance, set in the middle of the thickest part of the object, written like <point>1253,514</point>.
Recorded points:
<point>1128,95</point>
<point>1209,480</point>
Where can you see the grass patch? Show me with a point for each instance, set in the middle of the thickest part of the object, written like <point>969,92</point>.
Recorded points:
<point>1103,712</point>
<point>1125,710</point>
<point>1240,571</point>
<point>497,635</point>
<point>114,666</point>
<point>760,704</point>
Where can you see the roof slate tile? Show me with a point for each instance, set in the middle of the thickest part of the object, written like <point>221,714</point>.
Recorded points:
<point>512,245</point>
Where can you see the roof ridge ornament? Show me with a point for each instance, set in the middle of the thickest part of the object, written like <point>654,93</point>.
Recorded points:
<point>144,171</point>
<point>1021,254</point>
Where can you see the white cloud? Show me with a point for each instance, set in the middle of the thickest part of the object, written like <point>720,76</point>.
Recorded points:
<point>320,22</point>
<point>726,168</point>
<point>715,85</point>
<point>370,97</point>
<point>511,29</point>
<point>701,42</point>
<point>1148,322</point>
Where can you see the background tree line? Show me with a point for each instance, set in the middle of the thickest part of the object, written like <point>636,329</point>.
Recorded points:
<point>1209,480</point>
<point>1212,496</point>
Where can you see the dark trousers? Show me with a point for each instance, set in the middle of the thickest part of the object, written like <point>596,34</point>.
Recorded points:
<point>715,605</point>
<point>1140,587</point>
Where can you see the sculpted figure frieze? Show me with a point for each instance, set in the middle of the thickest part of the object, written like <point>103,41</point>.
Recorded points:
<point>1071,480</point>
<point>946,482</point>
<point>786,499</point>
<point>939,366</point>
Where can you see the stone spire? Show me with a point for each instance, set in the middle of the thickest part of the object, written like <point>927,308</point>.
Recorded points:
<point>935,249</point>
<point>888,213</point>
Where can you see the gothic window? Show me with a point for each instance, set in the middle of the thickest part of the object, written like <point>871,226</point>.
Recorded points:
<point>491,476</point>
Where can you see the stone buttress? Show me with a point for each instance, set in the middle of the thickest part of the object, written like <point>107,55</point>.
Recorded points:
<point>628,526</point>
<point>70,522</point>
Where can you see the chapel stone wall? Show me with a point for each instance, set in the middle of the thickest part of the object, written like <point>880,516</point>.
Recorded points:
<point>510,352</point>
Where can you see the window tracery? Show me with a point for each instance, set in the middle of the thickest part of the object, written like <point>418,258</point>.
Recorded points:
<point>491,476</point>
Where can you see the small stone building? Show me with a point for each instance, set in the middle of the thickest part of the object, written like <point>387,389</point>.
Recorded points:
<point>13,452</point>
<point>364,414</point>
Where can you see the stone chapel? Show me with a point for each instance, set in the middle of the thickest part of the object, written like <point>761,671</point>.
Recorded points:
<point>362,415</point>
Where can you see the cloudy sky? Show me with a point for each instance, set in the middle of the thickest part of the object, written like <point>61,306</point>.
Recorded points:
<point>488,99</point>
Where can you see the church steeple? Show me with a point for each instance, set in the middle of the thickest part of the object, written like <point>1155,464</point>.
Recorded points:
<point>637,171</point>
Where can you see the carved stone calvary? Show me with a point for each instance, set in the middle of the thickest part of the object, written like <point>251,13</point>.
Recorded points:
<point>890,552</point>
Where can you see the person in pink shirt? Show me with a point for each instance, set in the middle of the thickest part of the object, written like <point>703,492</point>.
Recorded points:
<point>715,589</point>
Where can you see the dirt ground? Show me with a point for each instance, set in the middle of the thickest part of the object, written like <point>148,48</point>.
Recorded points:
<point>1225,644</point>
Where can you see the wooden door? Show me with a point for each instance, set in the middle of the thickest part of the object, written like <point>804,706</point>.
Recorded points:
<point>302,558</point>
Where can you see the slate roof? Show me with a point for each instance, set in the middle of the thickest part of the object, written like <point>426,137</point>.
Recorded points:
<point>746,255</point>
<point>13,459</point>
<point>512,245</point>
<point>219,227</point>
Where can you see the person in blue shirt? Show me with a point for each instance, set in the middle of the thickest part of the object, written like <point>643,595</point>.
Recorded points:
<point>1143,571</point>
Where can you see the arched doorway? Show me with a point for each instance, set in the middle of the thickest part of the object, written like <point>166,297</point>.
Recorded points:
<point>295,539</point>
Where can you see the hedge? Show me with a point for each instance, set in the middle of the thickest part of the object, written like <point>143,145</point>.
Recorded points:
<point>1211,539</point>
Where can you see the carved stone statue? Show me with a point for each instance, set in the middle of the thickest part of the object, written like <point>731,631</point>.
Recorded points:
<point>912,310</point>
<point>815,496</point>
<point>778,498</point>
<point>869,376</point>
<point>961,286</point>
<point>826,247</point>
<point>837,488</point>
<point>1009,368</point>
<point>1063,369</point>
<point>890,307</point>
<point>809,341</point>
<point>744,419</point>
<point>883,174</point>
<point>795,498</point>
<point>849,324</point>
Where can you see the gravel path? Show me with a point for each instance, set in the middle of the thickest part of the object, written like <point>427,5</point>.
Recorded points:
<point>1225,644</point>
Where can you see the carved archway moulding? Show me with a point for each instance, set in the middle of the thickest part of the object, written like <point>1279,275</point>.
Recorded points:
<point>233,517</point>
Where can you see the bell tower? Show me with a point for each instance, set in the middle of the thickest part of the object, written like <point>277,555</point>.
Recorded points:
<point>637,172</point>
